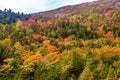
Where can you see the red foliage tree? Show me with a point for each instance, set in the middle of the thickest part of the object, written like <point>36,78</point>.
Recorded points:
<point>108,35</point>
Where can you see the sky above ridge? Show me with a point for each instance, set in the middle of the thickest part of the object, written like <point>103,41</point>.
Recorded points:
<point>32,6</point>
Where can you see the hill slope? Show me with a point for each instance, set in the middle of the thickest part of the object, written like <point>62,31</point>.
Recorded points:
<point>95,6</point>
<point>80,42</point>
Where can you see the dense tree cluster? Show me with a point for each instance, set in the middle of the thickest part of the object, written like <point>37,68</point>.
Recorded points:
<point>84,46</point>
<point>8,16</point>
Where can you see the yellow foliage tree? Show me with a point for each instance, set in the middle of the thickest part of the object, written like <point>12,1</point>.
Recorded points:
<point>19,23</point>
<point>30,61</point>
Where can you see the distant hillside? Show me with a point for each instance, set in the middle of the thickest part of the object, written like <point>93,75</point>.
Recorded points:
<point>100,6</point>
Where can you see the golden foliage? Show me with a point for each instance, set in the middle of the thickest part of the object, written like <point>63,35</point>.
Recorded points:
<point>8,60</point>
<point>19,23</point>
<point>86,74</point>
<point>7,64</point>
<point>66,67</point>
<point>51,48</point>
<point>18,46</point>
<point>26,54</point>
<point>7,41</point>
<point>107,52</point>
<point>5,67</point>
<point>30,61</point>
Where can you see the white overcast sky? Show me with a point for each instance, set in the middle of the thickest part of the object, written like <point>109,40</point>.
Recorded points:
<point>32,6</point>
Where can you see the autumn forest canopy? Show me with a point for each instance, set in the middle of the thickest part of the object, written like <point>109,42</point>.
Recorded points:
<point>80,42</point>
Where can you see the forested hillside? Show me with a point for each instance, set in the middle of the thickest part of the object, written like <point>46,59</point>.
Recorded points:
<point>80,42</point>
